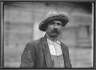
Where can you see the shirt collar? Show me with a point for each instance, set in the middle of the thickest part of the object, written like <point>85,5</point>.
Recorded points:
<point>51,42</point>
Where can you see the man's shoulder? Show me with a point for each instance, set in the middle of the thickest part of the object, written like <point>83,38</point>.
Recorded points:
<point>34,42</point>
<point>64,45</point>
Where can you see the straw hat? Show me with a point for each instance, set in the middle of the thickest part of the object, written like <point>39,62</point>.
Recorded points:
<point>51,16</point>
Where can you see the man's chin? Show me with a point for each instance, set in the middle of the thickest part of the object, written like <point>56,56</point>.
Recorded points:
<point>54,35</point>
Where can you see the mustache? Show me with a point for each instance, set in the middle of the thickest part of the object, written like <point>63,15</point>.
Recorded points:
<point>55,31</point>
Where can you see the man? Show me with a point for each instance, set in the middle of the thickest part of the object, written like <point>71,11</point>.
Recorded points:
<point>48,51</point>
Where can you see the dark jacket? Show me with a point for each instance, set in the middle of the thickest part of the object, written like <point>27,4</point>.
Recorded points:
<point>37,55</point>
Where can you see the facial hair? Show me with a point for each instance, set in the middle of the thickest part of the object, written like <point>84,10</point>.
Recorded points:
<point>54,33</point>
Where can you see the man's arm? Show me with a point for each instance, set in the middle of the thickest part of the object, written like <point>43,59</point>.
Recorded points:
<point>28,57</point>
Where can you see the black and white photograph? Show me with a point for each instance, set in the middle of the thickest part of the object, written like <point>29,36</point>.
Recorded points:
<point>47,34</point>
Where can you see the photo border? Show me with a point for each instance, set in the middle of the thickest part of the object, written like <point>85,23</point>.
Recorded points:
<point>2,37</point>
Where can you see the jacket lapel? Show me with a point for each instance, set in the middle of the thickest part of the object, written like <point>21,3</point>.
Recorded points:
<point>46,51</point>
<point>65,56</point>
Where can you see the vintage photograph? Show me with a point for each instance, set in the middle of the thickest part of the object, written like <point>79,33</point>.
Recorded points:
<point>47,34</point>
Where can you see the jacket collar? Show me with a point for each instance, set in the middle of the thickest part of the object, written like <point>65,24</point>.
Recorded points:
<point>46,51</point>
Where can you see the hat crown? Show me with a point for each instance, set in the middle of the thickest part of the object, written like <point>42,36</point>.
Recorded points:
<point>50,14</point>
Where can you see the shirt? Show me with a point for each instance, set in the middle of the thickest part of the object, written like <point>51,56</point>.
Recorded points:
<point>56,53</point>
<point>54,47</point>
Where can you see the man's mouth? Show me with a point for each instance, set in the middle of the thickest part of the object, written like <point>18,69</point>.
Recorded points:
<point>55,32</point>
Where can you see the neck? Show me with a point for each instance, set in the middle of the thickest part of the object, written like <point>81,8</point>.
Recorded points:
<point>52,38</point>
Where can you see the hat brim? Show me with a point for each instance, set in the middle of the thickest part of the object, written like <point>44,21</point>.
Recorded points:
<point>43,25</point>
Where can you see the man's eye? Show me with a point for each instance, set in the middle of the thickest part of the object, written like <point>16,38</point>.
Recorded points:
<point>52,23</point>
<point>59,24</point>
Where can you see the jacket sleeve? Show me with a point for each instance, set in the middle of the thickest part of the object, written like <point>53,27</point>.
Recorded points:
<point>28,57</point>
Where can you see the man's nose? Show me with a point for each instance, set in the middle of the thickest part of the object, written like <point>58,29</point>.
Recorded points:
<point>55,26</point>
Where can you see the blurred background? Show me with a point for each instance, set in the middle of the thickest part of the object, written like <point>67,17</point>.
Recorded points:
<point>20,25</point>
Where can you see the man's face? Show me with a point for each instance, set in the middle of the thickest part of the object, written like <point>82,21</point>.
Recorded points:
<point>53,29</point>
